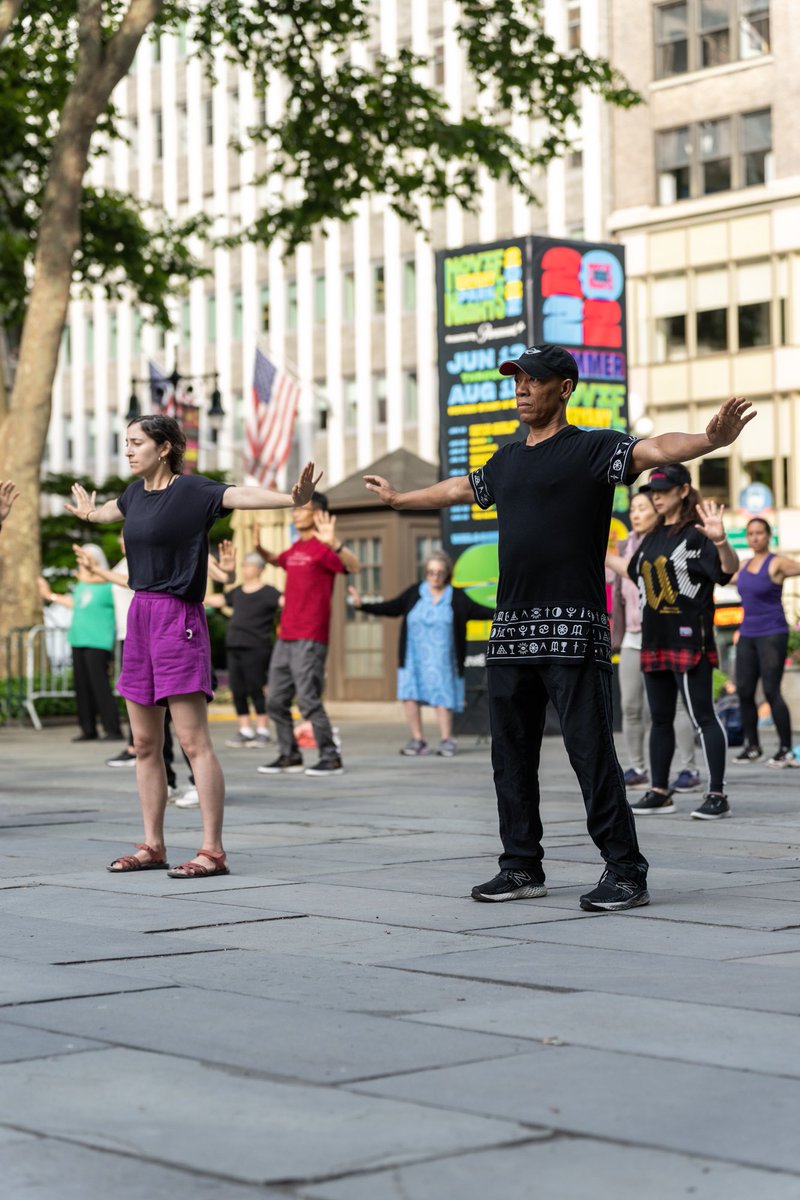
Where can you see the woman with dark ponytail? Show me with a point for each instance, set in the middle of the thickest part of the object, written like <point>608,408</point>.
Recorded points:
<point>676,568</point>
<point>167,653</point>
<point>761,648</point>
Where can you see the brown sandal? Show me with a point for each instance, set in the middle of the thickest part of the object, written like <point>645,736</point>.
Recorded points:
<point>129,862</point>
<point>193,870</point>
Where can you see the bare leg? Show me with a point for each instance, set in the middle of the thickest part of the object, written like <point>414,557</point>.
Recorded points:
<point>190,718</point>
<point>444,718</point>
<point>413,714</point>
<point>147,728</point>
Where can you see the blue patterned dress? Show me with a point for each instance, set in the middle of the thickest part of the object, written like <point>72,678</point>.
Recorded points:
<point>429,674</point>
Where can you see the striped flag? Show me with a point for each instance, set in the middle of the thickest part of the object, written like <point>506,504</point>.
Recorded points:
<point>270,421</point>
<point>161,390</point>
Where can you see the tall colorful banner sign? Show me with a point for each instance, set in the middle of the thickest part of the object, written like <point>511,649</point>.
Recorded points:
<point>493,302</point>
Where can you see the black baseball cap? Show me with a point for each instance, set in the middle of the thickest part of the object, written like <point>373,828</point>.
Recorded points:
<point>540,362</point>
<point>663,478</point>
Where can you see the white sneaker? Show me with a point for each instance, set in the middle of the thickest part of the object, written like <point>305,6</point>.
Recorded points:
<point>241,739</point>
<point>189,799</point>
<point>172,794</point>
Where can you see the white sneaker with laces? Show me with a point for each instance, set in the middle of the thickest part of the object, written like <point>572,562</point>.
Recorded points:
<point>189,799</point>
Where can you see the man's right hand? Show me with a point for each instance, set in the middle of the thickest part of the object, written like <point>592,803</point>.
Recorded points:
<point>382,488</point>
<point>355,597</point>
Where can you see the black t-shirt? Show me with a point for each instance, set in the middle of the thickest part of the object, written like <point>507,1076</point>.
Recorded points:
<point>166,534</point>
<point>252,625</point>
<point>676,576</point>
<point>554,504</point>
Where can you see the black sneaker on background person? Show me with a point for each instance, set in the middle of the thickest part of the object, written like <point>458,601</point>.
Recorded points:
<point>653,802</point>
<point>783,758</point>
<point>510,885</point>
<point>326,766</point>
<point>613,894</point>
<point>284,764</point>
<point>714,805</point>
<point>749,754</point>
<point>123,759</point>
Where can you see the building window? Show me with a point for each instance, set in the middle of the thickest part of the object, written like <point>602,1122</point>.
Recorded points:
<point>208,120</point>
<point>753,321</point>
<point>409,285</point>
<point>263,309</point>
<point>182,128</point>
<point>156,40</point>
<point>437,62</point>
<point>233,114</point>
<point>238,316</point>
<point>673,158</point>
<point>138,322</point>
<point>348,296</point>
<point>113,336</point>
<point>756,147</point>
<point>291,305</point>
<point>133,137</point>
<point>379,399</point>
<point>670,339</point>
<point>161,337</point>
<point>182,40</point>
<point>714,478</point>
<point>712,331</point>
<point>694,35</point>
<point>410,397</point>
<point>350,395</point>
<point>89,342</point>
<point>186,322</point>
<point>715,156</point>
<point>66,345</point>
<point>211,317</point>
<point>573,26</point>
<point>378,289</point>
<point>319,299</point>
<point>158,135</point>
<point>363,636</point>
<point>672,40</point>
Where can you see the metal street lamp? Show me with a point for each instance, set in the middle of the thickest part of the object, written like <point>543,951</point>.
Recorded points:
<point>216,413</point>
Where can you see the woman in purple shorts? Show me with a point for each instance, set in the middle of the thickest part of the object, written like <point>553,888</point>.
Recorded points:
<point>167,653</point>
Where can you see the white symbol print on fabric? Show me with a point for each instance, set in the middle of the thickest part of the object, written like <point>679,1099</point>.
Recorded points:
<point>617,465</point>
<point>523,629</point>
<point>534,648</point>
<point>571,612</point>
<point>562,629</point>
<point>536,613</point>
<point>556,612</point>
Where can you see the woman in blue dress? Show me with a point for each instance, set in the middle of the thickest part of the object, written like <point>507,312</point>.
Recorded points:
<point>433,644</point>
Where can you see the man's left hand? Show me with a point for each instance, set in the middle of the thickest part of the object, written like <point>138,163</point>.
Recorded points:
<point>325,526</point>
<point>303,490</point>
<point>726,425</point>
<point>8,494</point>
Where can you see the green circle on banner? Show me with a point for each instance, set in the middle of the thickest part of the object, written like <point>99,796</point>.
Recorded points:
<point>476,571</point>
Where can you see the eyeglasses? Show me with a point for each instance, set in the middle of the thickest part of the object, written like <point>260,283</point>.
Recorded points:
<point>435,571</point>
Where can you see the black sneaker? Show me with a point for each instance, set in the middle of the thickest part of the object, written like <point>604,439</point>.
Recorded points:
<point>327,766</point>
<point>714,805</point>
<point>784,758</point>
<point>510,885</point>
<point>749,754</point>
<point>612,894</point>
<point>653,802</point>
<point>285,764</point>
<point>123,759</point>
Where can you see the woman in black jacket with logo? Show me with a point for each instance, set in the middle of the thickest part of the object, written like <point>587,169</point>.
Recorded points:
<point>433,644</point>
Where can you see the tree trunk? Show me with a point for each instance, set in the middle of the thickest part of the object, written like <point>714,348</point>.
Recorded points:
<point>23,432</point>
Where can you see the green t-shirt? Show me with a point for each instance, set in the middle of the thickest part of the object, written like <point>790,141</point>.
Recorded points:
<point>93,625</point>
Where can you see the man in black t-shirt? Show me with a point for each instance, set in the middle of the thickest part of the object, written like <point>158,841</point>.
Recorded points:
<point>550,635</point>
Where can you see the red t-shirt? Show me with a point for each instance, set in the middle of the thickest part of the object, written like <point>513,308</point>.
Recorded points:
<point>310,567</point>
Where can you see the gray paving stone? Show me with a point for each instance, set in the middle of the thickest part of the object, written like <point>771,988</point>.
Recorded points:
<point>35,939</point>
<point>269,1036</point>
<point>564,1168</point>
<point>24,983</point>
<point>700,1033</point>
<point>18,1043</point>
<point>181,1113</point>
<point>739,1116</point>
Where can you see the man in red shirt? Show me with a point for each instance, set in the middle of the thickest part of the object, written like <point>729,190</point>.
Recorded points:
<point>297,666</point>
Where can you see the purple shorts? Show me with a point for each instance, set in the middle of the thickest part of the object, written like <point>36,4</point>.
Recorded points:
<point>167,650</point>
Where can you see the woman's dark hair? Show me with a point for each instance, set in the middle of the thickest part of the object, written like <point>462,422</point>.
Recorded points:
<point>164,430</point>
<point>687,515</point>
<point>761,521</point>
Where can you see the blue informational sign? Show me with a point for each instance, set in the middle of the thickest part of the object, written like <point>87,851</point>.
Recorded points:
<point>756,498</point>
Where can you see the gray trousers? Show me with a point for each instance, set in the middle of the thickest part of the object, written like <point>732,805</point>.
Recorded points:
<point>297,671</point>
<point>636,717</point>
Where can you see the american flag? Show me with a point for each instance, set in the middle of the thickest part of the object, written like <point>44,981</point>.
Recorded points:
<point>162,393</point>
<point>270,421</point>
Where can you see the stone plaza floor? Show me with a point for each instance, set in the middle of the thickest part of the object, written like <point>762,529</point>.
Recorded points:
<point>337,1020</point>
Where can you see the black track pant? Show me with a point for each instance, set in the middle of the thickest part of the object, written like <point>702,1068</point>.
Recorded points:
<point>247,677</point>
<point>93,693</point>
<point>518,697</point>
<point>696,686</point>
<point>762,658</point>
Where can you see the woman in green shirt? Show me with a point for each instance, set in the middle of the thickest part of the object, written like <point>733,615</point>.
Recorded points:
<point>92,635</point>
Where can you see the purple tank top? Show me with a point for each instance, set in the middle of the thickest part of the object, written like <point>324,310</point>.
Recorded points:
<point>763,610</point>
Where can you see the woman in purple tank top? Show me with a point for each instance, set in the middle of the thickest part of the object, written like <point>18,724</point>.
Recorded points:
<point>761,649</point>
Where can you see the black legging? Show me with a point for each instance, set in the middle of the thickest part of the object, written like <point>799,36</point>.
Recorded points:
<point>696,687</point>
<point>762,658</point>
<point>247,676</point>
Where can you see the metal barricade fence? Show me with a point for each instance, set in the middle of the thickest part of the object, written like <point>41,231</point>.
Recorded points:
<point>38,663</point>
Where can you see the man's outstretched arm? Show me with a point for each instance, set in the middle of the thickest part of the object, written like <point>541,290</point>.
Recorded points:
<point>447,492</point>
<point>723,428</point>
